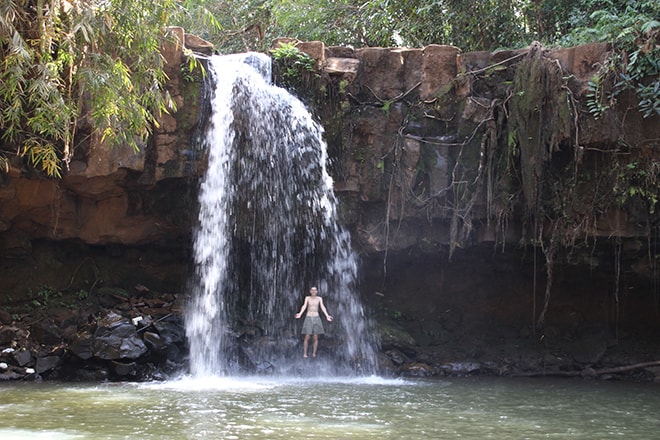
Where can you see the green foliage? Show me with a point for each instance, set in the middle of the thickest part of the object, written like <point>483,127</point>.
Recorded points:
<point>82,295</point>
<point>643,63</point>
<point>402,23</point>
<point>66,65</point>
<point>292,63</point>
<point>332,21</point>
<point>231,25</point>
<point>611,21</point>
<point>633,30</point>
<point>63,63</point>
<point>637,180</point>
<point>499,24</point>
<point>470,25</point>
<point>45,296</point>
<point>649,98</point>
<point>597,101</point>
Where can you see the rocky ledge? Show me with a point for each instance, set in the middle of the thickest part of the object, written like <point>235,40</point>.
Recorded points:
<point>115,336</point>
<point>140,336</point>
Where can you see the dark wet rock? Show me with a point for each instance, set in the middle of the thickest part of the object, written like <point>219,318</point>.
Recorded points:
<point>417,370</point>
<point>23,357</point>
<point>117,339</point>
<point>125,369</point>
<point>172,331</point>
<point>83,346</point>
<point>143,322</point>
<point>70,333</point>
<point>109,297</point>
<point>397,357</point>
<point>111,320</point>
<point>175,354</point>
<point>461,368</point>
<point>7,354</point>
<point>5,318</point>
<point>91,374</point>
<point>10,375</point>
<point>265,368</point>
<point>7,335</point>
<point>589,348</point>
<point>394,337</point>
<point>154,342</point>
<point>46,332</point>
<point>47,363</point>
<point>97,345</point>
<point>655,371</point>
<point>124,307</point>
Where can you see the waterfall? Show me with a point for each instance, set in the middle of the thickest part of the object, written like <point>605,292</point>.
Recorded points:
<point>267,232</point>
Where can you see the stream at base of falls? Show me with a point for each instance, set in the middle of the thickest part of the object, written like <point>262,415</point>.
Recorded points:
<point>336,408</point>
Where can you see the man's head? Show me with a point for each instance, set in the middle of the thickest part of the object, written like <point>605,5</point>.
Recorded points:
<point>313,291</point>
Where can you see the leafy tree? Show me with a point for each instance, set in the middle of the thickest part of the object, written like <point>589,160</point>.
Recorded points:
<point>485,25</point>
<point>76,66</point>
<point>633,29</point>
<point>231,25</point>
<point>471,25</point>
<point>621,22</point>
<point>65,63</point>
<point>331,21</point>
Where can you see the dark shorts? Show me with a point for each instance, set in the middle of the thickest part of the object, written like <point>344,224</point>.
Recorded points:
<point>312,326</point>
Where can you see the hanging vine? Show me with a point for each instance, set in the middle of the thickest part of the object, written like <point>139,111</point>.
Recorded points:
<point>519,153</point>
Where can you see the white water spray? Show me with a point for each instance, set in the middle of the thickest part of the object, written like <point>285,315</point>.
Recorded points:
<point>267,232</point>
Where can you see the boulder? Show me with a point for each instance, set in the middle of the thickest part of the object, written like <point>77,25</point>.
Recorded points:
<point>116,338</point>
<point>394,337</point>
<point>124,369</point>
<point>171,331</point>
<point>417,369</point>
<point>346,68</point>
<point>119,343</point>
<point>154,342</point>
<point>461,368</point>
<point>47,363</point>
<point>23,357</point>
<point>82,347</point>
<point>46,332</point>
<point>396,357</point>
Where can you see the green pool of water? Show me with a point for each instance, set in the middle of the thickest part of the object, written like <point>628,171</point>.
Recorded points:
<point>365,408</point>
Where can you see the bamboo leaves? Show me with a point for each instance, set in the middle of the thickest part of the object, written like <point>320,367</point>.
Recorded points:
<point>65,61</point>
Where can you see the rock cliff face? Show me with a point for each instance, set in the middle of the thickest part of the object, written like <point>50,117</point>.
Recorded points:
<point>407,124</point>
<point>492,209</point>
<point>481,195</point>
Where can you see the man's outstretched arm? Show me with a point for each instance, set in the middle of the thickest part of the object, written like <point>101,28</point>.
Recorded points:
<point>327,316</point>
<point>302,309</point>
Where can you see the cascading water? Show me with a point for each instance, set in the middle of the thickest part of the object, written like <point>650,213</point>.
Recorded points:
<point>268,232</point>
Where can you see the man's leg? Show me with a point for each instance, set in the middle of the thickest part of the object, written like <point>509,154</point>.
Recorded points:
<point>305,343</point>
<point>316,344</point>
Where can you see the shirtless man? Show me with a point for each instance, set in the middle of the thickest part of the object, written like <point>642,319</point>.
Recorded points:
<point>312,326</point>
